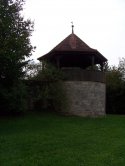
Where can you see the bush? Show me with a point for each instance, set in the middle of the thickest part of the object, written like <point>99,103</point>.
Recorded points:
<point>51,94</point>
<point>51,97</point>
<point>13,99</point>
<point>115,91</point>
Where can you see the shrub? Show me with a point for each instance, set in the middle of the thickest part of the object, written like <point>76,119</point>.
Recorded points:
<point>51,94</point>
<point>115,91</point>
<point>13,99</point>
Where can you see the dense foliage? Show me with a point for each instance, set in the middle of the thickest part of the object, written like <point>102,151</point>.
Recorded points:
<point>15,47</point>
<point>115,82</point>
<point>50,94</point>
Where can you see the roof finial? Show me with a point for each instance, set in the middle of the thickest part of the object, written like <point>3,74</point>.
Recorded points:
<point>72,27</point>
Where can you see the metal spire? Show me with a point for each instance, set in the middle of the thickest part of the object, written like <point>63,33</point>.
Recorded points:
<point>72,28</point>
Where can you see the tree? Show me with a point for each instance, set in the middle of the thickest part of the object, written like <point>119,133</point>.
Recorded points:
<point>49,91</point>
<point>121,67</point>
<point>32,70</point>
<point>115,84</point>
<point>15,47</point>
<point>15,43</point>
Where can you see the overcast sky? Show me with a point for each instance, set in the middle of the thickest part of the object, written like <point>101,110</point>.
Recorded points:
<point>99,23</point>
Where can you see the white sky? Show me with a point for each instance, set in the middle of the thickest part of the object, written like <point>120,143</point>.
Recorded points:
<point>99,23</point>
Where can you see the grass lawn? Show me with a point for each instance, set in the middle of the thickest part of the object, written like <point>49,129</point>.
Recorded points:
<point>53,140</point>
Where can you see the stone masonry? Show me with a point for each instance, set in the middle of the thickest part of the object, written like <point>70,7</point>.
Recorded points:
<point>86,98</point>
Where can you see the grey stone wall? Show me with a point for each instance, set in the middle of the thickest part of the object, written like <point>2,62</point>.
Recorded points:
<point>85,98</point>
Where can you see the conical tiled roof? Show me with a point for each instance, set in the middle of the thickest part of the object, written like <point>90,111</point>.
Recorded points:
<point>73,52</point>
<point>72,43</point>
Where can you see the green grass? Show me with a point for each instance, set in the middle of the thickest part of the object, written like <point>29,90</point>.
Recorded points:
<point>52,140</point>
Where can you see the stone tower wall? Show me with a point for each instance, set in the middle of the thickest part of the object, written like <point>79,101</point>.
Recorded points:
<point>85,98</point>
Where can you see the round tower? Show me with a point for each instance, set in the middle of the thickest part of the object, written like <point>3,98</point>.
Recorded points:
<point>85,82</point>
